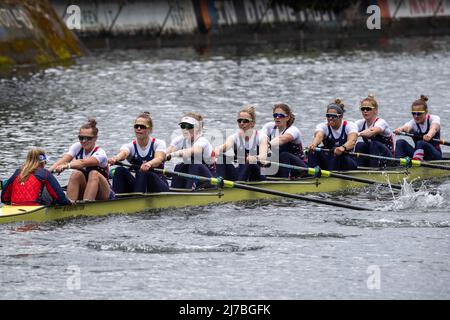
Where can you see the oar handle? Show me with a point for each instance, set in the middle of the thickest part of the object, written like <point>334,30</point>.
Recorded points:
<point>131,166</point>
<point>440,141</point>
<point>318,172</point>
<point>407,162</point>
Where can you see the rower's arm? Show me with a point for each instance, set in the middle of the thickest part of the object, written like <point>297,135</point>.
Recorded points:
<point>83,163</point>
<point>171,149</point>
<point>66,158</point>
<point>318,138</point>
<point>224,147</point>
<point>280,140</point>
<point>160,157</point>
<point>263,149</point>
<point>185,153</point>
<point>371,132</point>
<point>122,155</point>
<point>351,141</point>
<point>404,128</point>
<point>434,128</point>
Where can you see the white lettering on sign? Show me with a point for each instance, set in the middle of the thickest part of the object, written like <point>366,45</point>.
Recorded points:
<point>73,20</point>
<point>374,21</point>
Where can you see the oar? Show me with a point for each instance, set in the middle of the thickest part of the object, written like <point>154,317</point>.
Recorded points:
<point>231,184</point>
<point>440,141</point>
<point>407,162</point>
<point>317,172</point>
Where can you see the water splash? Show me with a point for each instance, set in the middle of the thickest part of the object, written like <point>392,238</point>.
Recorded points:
<point>410,198</point>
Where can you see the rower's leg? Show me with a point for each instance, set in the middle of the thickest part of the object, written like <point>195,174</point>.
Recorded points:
<point>227,171</point>
<point>290,159</point>
<point>426,151</point>
<point>198,170</point>
<point>141,182</point>
<point>403,149</point>
<point>123,180</point>
<point>283,172</point>
<point>155,183</point>
<point>343,162</point>
<point>362,147</point>
<point>243,172</point>
<point>254,173</point>
<point>379,149</point>
<point>179,182</point>
<point>76,185</point>
<point>97,187</point>
<point>321,159</point>
<point>104,192</point>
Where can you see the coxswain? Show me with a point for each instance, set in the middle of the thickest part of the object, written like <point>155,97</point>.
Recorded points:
<point>32,184</point>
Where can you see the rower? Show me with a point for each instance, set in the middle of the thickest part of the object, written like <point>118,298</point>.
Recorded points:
<point>376,134</point>
<point>425,127</point>
<point>195,150</point>
<point>337,134</point>
<point>32,184</point>
<point>89,180</point>
<point>249,146</point>
<point>145,152</point>
<point>285,139</point>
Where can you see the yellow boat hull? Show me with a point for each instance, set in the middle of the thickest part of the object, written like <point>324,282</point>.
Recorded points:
<point>128,204</point>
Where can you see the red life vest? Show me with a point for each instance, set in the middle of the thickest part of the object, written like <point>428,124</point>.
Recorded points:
<point>27,193</point>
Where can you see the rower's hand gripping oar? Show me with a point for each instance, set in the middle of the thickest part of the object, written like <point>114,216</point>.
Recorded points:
<point>407,134</point>
<point>231,184</point>
<point>407,162</point>
<point>318,172</point>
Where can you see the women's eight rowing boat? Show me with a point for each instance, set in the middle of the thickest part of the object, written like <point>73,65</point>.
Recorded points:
<point>141,202</point>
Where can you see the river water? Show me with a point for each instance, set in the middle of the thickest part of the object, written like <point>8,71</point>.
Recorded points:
<point>282,249</point>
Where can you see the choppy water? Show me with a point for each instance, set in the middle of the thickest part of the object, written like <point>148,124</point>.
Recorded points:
<point>271,250</point>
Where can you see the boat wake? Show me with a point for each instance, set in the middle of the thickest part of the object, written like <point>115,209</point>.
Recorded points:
<point>387,223</point>
<point>155,249</point>
<point>275,234</point>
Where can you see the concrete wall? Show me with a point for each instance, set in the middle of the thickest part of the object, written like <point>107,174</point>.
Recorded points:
<point>160,17</point>
<point>139,22</point>
<point>35,32</point>
<point>31,34</point>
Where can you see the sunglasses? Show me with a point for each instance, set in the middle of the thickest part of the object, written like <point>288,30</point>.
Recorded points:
<point>366,108</point>
<point>141,126</point>
<point>243,120</point>
<point>279,115</point>
<point>417,113</point>
<point>332,115</point>
<point>186,126</point>
<point>85,138</point>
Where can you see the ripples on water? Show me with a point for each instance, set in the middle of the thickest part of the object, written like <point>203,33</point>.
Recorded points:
<point>282,249</point>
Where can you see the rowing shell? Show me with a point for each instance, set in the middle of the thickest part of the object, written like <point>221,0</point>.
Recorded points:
<point>138,202</point>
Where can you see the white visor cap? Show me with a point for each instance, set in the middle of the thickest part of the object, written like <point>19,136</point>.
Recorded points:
<point>190,120</point>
